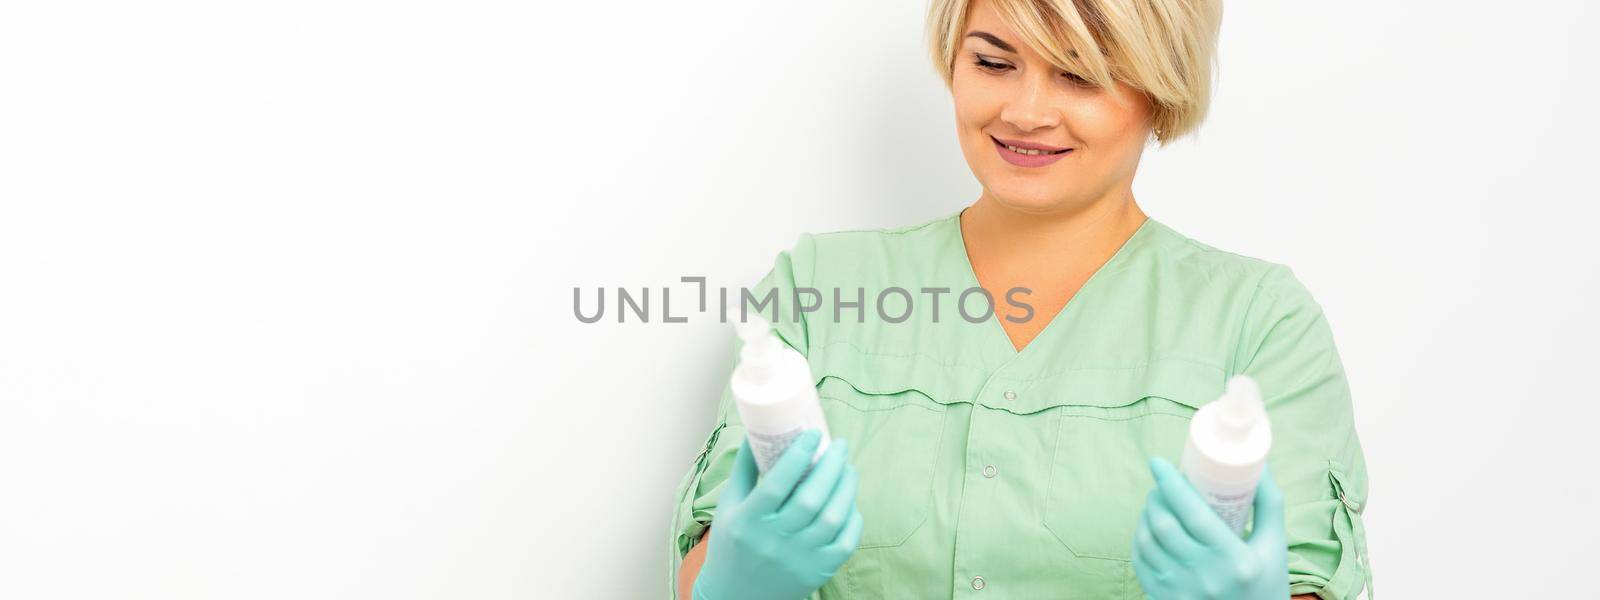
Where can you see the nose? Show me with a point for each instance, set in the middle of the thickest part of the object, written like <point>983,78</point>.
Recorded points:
<point>1031,106</point>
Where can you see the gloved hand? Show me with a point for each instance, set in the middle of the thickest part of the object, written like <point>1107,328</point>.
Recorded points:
<point>767,544</point>
<point>1184,550</point>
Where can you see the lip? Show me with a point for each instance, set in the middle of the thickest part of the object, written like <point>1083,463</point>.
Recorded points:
<point>1028,160</point>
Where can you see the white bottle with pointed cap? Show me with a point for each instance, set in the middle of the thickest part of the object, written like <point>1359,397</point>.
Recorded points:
<point>773,391</point>
<point>1228,444</point>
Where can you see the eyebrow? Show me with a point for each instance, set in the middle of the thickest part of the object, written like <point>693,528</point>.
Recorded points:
<point>989,37</point>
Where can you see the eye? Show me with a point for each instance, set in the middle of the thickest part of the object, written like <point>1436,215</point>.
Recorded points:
<point>991,66</point>
<point>1076,80</point>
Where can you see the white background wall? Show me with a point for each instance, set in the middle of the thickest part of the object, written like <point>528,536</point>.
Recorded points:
<point>285,287</point>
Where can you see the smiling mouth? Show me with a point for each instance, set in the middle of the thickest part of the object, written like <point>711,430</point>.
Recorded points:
<point>1028,151</point>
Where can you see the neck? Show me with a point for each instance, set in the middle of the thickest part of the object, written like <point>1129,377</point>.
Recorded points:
<point>1068,241</point>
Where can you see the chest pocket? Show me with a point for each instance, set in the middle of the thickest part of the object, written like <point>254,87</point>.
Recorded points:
<point>1111,422</point>
<point>894,431</point>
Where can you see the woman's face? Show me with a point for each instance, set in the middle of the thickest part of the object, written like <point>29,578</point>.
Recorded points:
<point>1085,143</point>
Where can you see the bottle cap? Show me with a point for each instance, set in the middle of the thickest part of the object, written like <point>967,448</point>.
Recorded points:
<point>759,349</point>
<point>1241,407</point>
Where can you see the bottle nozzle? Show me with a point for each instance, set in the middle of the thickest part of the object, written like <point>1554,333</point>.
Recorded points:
<point>1241,404</point>
<point>751,329</point>
<point>759,344</point>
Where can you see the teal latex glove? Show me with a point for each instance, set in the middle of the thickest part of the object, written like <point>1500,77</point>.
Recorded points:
<point>1182,549</point>
<point>769,544</point>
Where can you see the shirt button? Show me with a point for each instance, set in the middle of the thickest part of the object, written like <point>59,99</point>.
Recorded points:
<point>989,471</point>
<point>977,583</point>
<point>1010,395</point>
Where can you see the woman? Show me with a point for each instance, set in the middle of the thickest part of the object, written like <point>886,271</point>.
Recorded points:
<point>1031,460</point>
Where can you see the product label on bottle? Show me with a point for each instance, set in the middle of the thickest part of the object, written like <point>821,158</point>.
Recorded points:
<point>1233,508</point>
<point>769,446</point>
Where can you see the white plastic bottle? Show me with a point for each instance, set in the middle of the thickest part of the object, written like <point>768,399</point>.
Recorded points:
<point>773,391</point>
<point>1228,444</point>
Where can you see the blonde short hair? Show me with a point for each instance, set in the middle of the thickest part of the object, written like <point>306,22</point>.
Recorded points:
<point>1164,48</point>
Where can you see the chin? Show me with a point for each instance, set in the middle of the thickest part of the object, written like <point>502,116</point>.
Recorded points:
<point>1032,196</point>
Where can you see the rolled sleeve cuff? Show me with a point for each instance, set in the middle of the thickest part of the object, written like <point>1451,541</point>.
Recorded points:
<point>698,490</point>
<point>1328,547</point>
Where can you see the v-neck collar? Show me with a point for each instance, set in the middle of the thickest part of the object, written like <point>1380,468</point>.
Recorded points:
<point>1009,352</point>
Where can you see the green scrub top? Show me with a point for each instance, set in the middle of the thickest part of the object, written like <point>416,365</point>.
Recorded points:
<point>986,472</point>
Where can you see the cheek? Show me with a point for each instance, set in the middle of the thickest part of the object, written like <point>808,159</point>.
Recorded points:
<point>1105,123</point>
<point>975,105</point>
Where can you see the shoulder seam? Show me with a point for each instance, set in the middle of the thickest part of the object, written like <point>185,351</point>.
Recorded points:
<point>1244,324</point>
<point>1210,249</point>
<point>1207,248</point>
